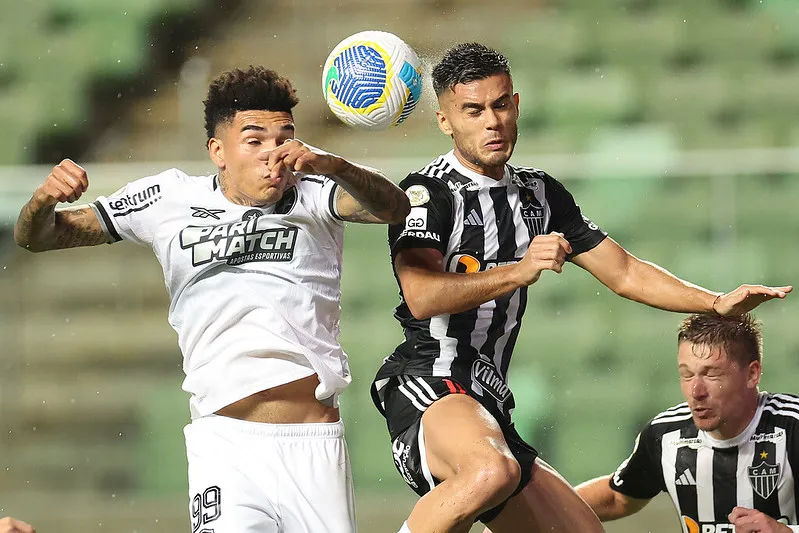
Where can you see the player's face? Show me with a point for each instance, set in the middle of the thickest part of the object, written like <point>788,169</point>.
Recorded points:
<point>718,389</point>
<point>481,117</point>
<point>235,151</point>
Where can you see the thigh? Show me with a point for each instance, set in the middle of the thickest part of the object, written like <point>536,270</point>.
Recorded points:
<point>459,433</point>
<point>546,504</point>
<point>221,497</point>
<point>315,486</point>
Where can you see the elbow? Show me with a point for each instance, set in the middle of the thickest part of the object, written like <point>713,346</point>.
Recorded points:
<point>23,242</point>
<point>420,309</point>
<point>401,211</point>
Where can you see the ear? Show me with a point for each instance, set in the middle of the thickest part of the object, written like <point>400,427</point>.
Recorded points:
<point>443,123</point>
<point>217,152</point>
<point>753,374</point>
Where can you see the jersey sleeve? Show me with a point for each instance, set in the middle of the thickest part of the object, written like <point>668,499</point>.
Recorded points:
<point>567,218</point>
<point>131,212</point>
<point>429,223</point>
<point>640,475</point>
<point>322,192</point>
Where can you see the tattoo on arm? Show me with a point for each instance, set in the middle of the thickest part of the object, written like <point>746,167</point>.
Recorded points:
<point>47,228</point>
<point>365,195</point>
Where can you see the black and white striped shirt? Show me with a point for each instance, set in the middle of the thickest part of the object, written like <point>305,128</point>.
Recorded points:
<point>477,223</point>
<point>706,477</point>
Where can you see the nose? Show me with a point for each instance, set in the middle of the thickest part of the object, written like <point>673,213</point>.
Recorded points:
<point>492,120</point>
<point>699,389</point>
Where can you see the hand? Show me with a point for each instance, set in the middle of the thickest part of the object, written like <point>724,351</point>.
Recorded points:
<point>297,156</point>
<point>751,521</point>
<point>65,183</point>
<point>546,252</point>
<point>9,525</point>
<point>747,297</point>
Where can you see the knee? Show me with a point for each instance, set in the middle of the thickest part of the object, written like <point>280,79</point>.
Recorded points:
<point>498,477</point>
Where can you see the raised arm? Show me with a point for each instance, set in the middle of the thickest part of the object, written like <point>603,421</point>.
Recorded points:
<point>365,194</point>
<point>608,504</point>
<point>429,290</point>
<point>41,227</point>
<point>647,283</point>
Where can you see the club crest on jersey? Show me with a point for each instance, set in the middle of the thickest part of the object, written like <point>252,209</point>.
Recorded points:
<point>764,478</point>
<point>486,376</point>
<point>242,242</point>
<point>533,206</point>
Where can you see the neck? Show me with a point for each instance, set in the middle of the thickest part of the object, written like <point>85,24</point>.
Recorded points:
<point>232,193</point>
<point>496,173</point>
<point>732,428</point>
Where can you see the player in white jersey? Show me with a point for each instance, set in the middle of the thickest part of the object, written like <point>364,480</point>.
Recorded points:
<point>252,261</point>
<point>729,455</point>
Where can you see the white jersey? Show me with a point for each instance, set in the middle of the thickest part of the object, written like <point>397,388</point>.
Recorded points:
<point>255,292</point>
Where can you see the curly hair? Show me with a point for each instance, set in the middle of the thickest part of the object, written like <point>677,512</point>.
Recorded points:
<point>465,63</point>
<point>739,335</point>
<point>256,88</point>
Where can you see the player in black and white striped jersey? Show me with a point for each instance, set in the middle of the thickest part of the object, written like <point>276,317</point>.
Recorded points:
<point>728,457</point>
<point>480,232</point>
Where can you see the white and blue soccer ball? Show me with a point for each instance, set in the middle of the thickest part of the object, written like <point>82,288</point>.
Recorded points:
<point>372,80</point>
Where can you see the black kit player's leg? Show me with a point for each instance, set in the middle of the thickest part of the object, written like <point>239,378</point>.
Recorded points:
<point>546,504</point>
<point>466,450</point>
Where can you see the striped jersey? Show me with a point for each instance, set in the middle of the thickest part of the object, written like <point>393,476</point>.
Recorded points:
<point>477,223</point>
<point>706,477</point>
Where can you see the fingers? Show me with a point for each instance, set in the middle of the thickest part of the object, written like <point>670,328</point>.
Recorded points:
<point>9,525</point>
<point>739,512</point>
<point>65,183</point>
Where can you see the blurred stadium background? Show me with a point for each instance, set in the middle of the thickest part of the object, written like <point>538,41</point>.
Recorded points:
<point>673,122</point>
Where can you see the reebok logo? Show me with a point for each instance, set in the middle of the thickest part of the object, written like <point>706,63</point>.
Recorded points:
<point>202,212</point>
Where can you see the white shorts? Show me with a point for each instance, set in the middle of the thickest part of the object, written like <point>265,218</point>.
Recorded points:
<point>249,477</point>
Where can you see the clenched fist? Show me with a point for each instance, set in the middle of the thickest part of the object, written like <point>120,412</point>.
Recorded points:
<point>546,252</point>
<point>65,183</point>
<point>9,525</point>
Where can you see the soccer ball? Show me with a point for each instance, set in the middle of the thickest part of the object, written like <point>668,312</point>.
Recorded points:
<point>372,80</point>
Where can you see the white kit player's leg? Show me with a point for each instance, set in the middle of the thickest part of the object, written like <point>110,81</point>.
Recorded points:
<point>269,478</point>
<point>317,493</point>
<point>222,496</point>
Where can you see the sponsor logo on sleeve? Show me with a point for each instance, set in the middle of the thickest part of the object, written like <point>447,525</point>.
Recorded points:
<point>138,201</point>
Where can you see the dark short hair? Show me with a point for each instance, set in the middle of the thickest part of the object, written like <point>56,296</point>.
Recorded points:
<point>465,63</point>
<point>740,336</point>
<point>256,88</point>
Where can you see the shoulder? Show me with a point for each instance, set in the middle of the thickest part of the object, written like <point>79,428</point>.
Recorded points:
<point>673,418</point>
<point>782,405</point>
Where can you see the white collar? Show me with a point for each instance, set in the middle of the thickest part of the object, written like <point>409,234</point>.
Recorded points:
<point>742,437</point>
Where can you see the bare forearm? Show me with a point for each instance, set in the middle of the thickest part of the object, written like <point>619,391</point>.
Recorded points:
<point>437,293</point>
<point>42,227</point>
<point>606,502</point>
<point>652,285</point>
<point>380,199</point>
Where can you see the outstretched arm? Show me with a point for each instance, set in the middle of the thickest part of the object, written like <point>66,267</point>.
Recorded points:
<point>42,227</point>
<point>365,194</point>
<point>608,504</point>
<point>647,283</point>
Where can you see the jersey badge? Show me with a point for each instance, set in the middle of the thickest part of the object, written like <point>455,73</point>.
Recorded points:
<point>418,195</point>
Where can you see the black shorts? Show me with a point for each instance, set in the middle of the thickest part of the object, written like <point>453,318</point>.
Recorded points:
<point>405,398</point>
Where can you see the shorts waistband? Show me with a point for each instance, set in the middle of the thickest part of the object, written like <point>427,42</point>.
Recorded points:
<point>316,430</point>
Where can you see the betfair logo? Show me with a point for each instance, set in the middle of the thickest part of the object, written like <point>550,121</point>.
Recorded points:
<point>692,526</point>
<point>239,243</point>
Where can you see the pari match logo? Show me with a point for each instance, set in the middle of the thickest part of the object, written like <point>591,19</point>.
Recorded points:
<point>372,80</point>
